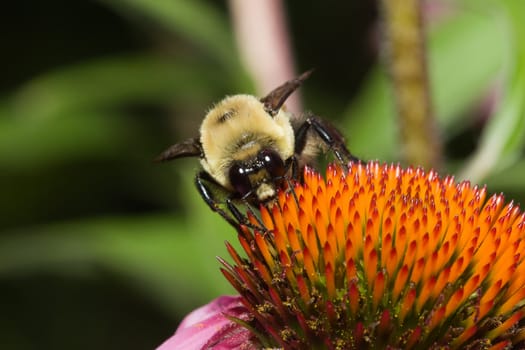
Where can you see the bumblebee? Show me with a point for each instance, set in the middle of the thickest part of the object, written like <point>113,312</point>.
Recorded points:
<point>250,147</point>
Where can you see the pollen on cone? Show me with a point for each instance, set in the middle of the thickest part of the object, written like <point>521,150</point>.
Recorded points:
<point>377,256</point>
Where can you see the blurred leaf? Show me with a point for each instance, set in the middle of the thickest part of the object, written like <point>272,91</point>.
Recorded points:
<point>111,81</point>
<point>504,136</point>
<point>509,180</point>
<point>370,120</point>
<point>464,55</point>
<point>167,258</point>
<point>200,22</point>
<point>161,256</point>
<point>44,142</point>
<point>57,116</point>
<point>465,58</point>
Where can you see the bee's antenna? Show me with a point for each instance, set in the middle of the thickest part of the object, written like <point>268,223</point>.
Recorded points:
<point>188,148</point>
<point>276,98</point>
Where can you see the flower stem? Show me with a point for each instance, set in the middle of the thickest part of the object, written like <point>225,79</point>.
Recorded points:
<point>407,65</point>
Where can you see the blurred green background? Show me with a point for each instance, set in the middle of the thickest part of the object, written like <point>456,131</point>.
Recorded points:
<point>102,248</point>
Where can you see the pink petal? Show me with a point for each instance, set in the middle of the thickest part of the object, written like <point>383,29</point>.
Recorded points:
<point>207,328</point>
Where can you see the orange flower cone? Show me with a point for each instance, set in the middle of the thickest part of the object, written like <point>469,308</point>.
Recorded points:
<point>381,257</point>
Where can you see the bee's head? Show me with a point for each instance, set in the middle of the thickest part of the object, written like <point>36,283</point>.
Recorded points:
<point>259,176</point>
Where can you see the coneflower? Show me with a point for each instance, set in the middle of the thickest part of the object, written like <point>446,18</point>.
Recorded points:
<point>376,257</point>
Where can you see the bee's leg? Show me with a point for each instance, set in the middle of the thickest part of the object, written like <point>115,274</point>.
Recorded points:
<point>291,163</point>
<point>239,216</point>
<point>328,134</point>
<point>242,218</point>
<point>232,215</point>
<point>201,181</point>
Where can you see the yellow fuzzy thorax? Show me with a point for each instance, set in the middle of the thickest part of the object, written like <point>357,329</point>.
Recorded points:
<point>236,129</point>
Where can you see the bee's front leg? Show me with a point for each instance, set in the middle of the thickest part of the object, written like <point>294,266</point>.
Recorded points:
<point>203,181</point>
<point>233,215</point>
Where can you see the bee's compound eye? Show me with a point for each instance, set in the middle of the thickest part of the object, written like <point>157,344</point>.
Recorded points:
<point>273,163</point>
<point>239,179</point>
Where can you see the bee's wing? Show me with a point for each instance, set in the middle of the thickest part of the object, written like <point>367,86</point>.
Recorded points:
<point>276,98</point>
<point>188,148</point>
